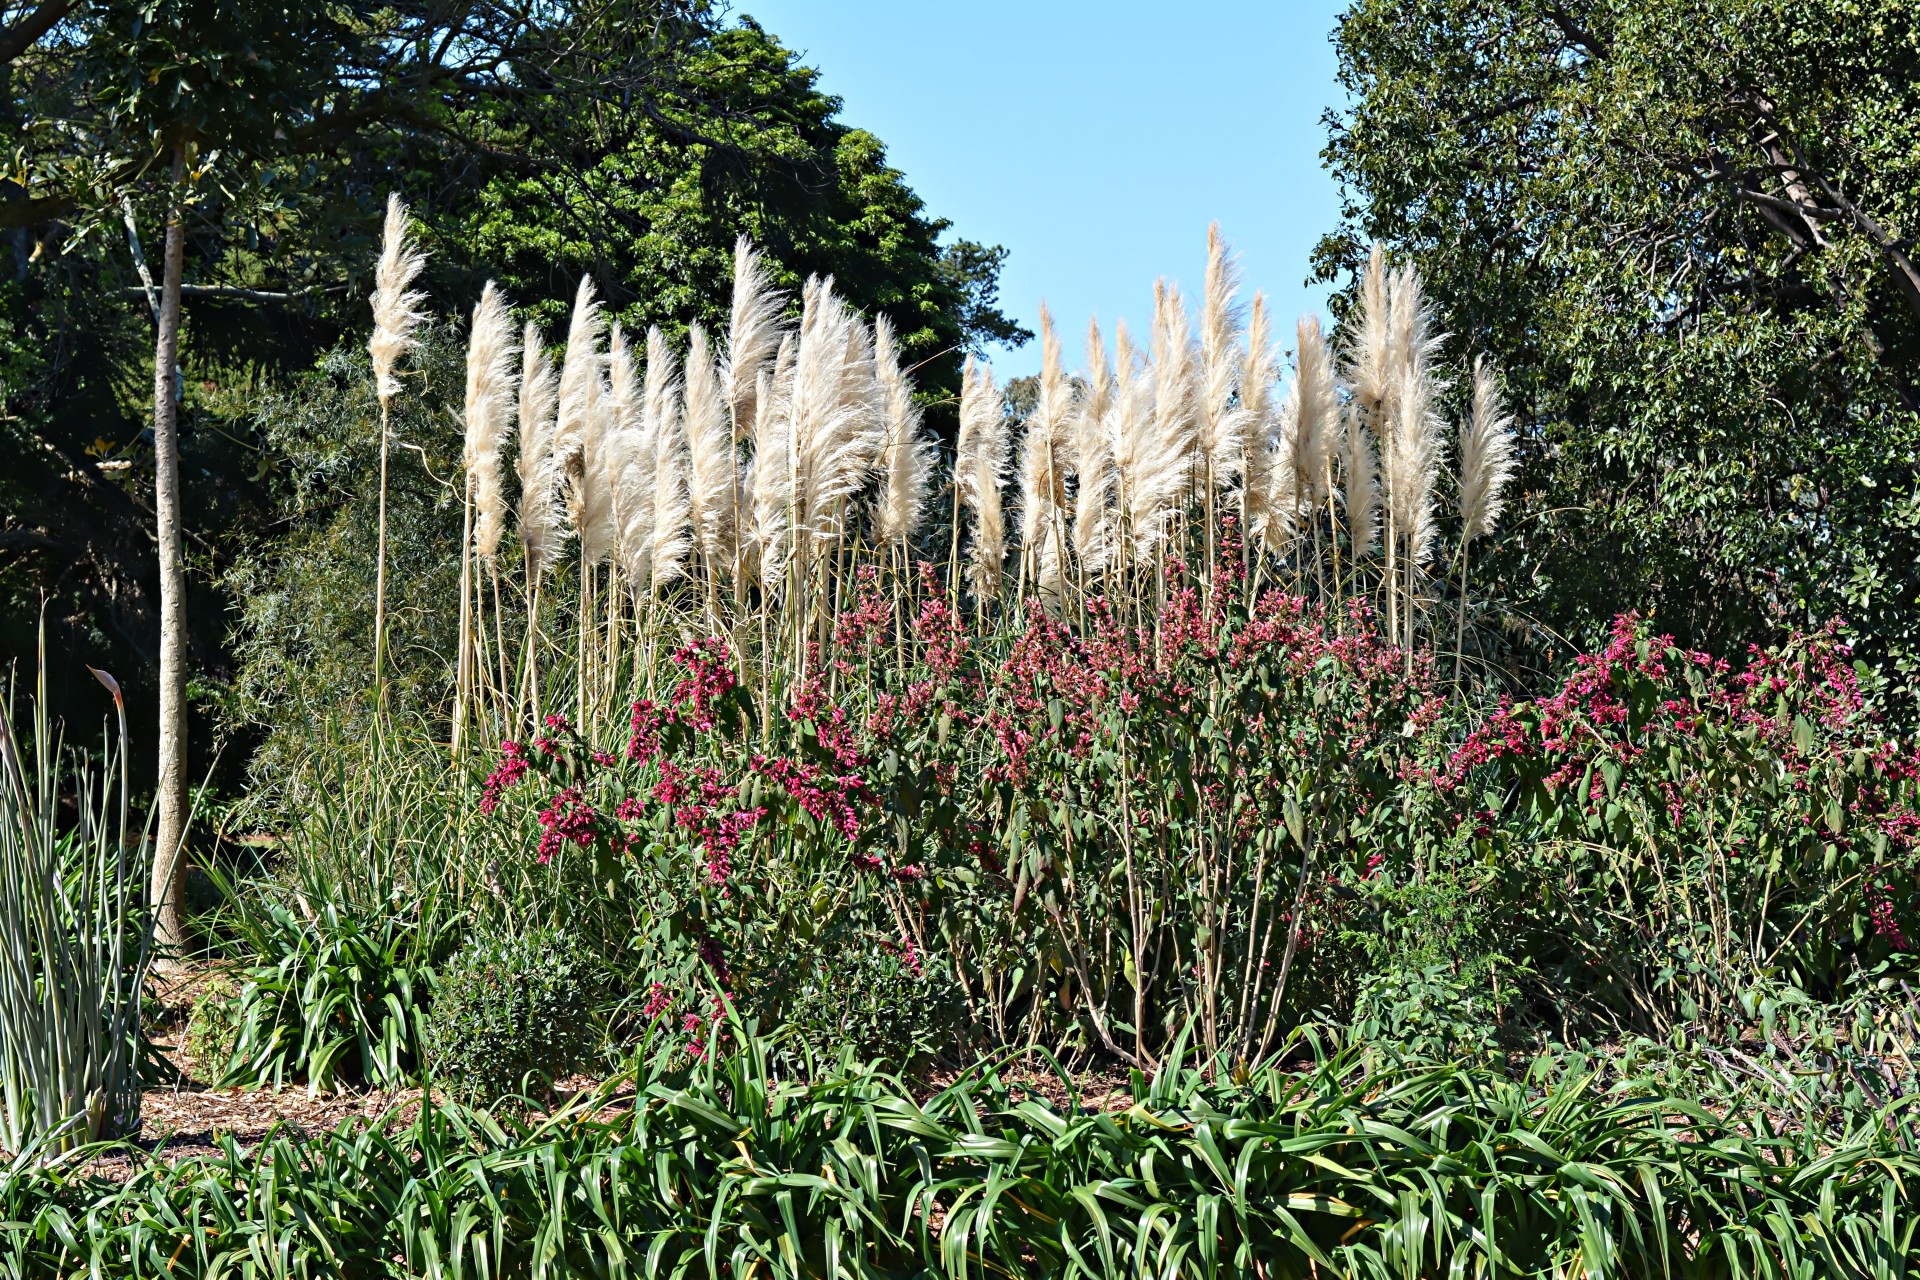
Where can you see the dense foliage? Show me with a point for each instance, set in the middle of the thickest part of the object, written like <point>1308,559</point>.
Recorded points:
<point>726,1168</point>
<point>1685,229</point>
<point>630,138</point>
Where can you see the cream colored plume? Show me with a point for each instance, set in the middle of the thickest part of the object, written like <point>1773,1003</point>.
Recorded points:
<point>906,460</point>
<point>489,416</point>
<point>1360,474</point>
<point>1222,428</point>
<point>1369,355</point>
<point>1176,383</point>
<point>834,427</point>
<point>396,307</point>
<point>1412,464</point>
<point>541,528</point>
<point>1263,463</point>
<point>1046,450</point>
<point>980,469</point>
<point>711,457</point>
<point>1410,456</point>
<point>669,534</point>
<point>1152,450</point>
<point>580,428</point>
<point>1317,415</point>
<point>631,458</point>
<point>772,481</point>
<point>753,333</point>
<point>1093,459</point>
<point>1486,455</point>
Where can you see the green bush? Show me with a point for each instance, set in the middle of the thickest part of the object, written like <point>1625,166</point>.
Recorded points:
<point>331,998</point>
<point>881,1000</point>
<point>509,1008</point>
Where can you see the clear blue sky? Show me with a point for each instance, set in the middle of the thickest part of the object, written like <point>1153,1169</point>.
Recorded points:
<point>1095,141</point>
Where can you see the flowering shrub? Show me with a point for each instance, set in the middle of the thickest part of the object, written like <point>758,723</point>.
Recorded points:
<point>726,854</point>
<point>1688,829</point>
<point>1219,814</point>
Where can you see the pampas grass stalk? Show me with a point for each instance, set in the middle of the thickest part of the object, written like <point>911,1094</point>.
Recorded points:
<point>670,540</point>
<point>753,336</point>
<point>1093,462</point>
<point>711,472</point>
<point>540,528</point>
<point>980,469</point>
<point>1486,465</point>
<point>1316,428</point>
<point>773,467</point>
<point>1045,451</point>
<point>396,313</point>
<point>489,408</point>
<point>1178,468</point>
<point>1412,457</point>
<point>1361,492</point>
<point>906,461</point>
<point>633,464</point>
<point>1260,461</point>
<point>539,514</point>
<point>1220,425</point>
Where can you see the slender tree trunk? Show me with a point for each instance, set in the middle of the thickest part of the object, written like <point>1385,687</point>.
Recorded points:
<point>169,866</point>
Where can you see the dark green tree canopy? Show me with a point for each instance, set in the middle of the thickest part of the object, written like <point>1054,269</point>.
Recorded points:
<point>630,138</point>
<point>1686,230</point>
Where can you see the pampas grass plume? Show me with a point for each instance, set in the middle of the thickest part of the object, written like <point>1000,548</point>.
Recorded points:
<point>1093,458</point>
<point>489,411</point>
<point>753,333</point>
<point>1045,451</point>
<point>980,470</point>
<point>1317,413</point>
<point>906,461</point>
<point>1222,427</point>
<point>1486,455</point>
<point>710,454</point>
<point>540,527</point>
<point>396,307</point>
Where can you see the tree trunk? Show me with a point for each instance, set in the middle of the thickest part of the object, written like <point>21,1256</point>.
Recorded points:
<point>169,866</point>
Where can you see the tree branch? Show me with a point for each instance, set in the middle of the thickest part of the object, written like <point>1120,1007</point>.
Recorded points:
<point>26,33</point>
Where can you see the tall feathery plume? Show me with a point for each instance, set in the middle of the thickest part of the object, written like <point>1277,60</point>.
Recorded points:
<point>1413,464</point>
<point>1360,477</point>
<point>488,406</point>
<point>1221,426</point>
<point>1486,455</point>
<point>711,456</point>
<point>834,431</point>
<point>772,484</point>
<point>1486,465</point>
<point>1412,457</point>
<point>1176,383</point>
<point>1317,420</point>
<point>632,457</point>
<point>489,415</point>
<point>540,527</point>
<point>753,333</point>
<point>906,461</point>
<point>980,469</point>
<point>1093,459</point>
<point>1262,461</point>
<point>578,425</point>
<point>396,311</point>
<point>396,305</point>
<point>1153,439</point>
<point>667,537</point>
<point>1369,362</point>
<point>1045,452</point>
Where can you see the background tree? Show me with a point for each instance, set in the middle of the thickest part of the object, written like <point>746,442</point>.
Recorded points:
<point>1685,230</point>
<point>633,138</point>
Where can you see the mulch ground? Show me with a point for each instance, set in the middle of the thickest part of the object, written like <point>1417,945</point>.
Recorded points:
<point>187,1118</point>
